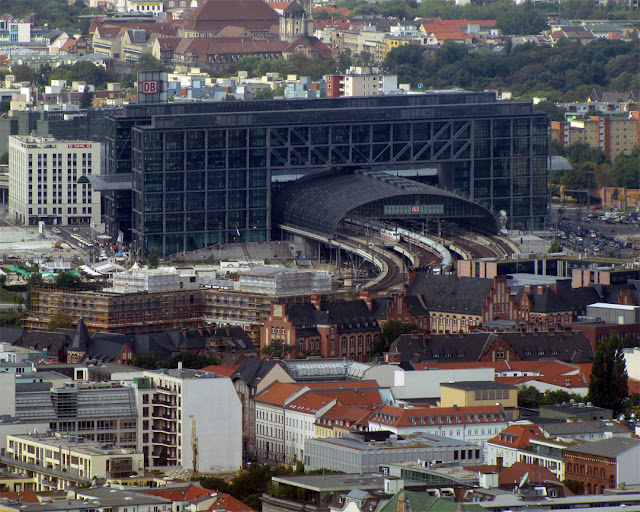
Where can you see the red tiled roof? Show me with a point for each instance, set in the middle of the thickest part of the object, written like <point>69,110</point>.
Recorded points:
<point>398,417</point>
<point>279,5</point>
<point>345,413</point>
<point>231,31</point>
<point>332,10</point>
<point>496,365</point>
<point>517,436</point>
<point>340,385</point>
<point>359,397</point>
<point>309,403</point>
<point>23,496</point>
<point>315,44</point>
<point>229,503</point>
<point>226,370</point>
<point>221,501</point>
<point>448,35</point>
<point>204,47</point>
<point>585,369</point>
<point>108,31</point>
<point>564,381</point>
<point>338,24</point>
<point>68,44</point>
<point>514,473</point>
<point>169,42</point>
<point>277,393</point>
<point>217,14</point>
<point>181,494</point>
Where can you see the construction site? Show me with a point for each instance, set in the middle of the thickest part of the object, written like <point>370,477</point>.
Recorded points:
<point>118,311</point>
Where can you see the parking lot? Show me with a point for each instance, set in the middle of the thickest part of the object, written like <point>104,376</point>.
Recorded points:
<point>598,232</point>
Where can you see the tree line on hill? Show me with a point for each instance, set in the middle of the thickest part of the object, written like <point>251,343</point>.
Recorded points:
<point>564,72</point>
<point>512,18</point>
<point>592,168</point>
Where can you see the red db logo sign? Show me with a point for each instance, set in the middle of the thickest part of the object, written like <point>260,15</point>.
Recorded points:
<point>415,209</point>
<point>150,87</point>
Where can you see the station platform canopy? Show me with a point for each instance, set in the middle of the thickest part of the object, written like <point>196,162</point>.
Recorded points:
<point>320,200</point>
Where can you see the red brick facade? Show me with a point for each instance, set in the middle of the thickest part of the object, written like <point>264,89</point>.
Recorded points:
<point>352,338</point>
<point>595,472</point>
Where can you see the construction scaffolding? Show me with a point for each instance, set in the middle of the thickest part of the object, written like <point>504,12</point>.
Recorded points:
<point>125,313</point>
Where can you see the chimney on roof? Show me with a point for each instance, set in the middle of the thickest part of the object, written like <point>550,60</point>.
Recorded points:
<point>227,329</point>
<point>366,297</point>
<point>416,335</point>
<point>567,329</point>
<point>626,299</point>
<point>527,288</point>
<point>412,278</point>
<point>551,330</point>
<point>535,331</point>
<point>540,290</point>
<point>315,300</point>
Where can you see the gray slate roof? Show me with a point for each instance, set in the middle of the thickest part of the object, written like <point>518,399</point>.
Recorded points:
<point>608,447</point>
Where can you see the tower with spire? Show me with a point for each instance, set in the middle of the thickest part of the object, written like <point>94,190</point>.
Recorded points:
<point>79,344</point>
<point>296,21</point>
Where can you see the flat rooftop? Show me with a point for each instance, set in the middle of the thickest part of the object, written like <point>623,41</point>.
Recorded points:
<point>72,443</point>
<point>476,385</point>
<point>341,482</point>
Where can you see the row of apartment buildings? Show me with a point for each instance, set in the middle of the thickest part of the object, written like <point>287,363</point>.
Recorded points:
<point>613,135</point>
<point>155,414</point>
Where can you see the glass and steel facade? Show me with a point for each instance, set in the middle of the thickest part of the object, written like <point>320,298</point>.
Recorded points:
<point>202,172</point>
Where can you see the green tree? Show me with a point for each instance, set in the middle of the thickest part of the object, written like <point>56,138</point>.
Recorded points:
<point>189,360</point>
<point>147,62</point>
<point>277,348</point>
<point>264,94</point>
<point>215,483</point>
<point>608,386</point>
<point>155,361</point>
<point>24,73</point>
<point>5,106</point>
<point>60,320</point>
<point>554,247</point>
<point>574,486</point>
<point>559,396</point>
<point>390,332</point>
<point>86,100</point>
<point>153,259</point>
<point>625,171</point>
<point>554,112</point>
<point>581,152</point>
<point>10,319</point>
<point>529,397</point>
<point>66,279</point>
<point>147,361</point>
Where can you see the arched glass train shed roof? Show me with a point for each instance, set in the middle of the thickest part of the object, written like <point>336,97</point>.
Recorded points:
<point>319,201</point>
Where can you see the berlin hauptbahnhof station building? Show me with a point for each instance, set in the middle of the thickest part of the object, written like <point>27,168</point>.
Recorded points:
<point>184,176</point>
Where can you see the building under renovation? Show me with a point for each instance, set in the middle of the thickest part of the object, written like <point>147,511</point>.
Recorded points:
<point>140,301</point>
<point>249,302</point>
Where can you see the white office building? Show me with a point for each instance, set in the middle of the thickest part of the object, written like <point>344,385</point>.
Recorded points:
<point>43,174</point>
<point>172,404</point>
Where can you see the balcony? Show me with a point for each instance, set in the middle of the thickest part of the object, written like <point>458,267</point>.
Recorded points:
<point>162,428</point>
<point>165,403</point>
<point>162,415</point>
<point>68,474</point>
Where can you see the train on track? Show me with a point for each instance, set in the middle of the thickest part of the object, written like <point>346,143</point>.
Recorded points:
<point>398,234</point>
